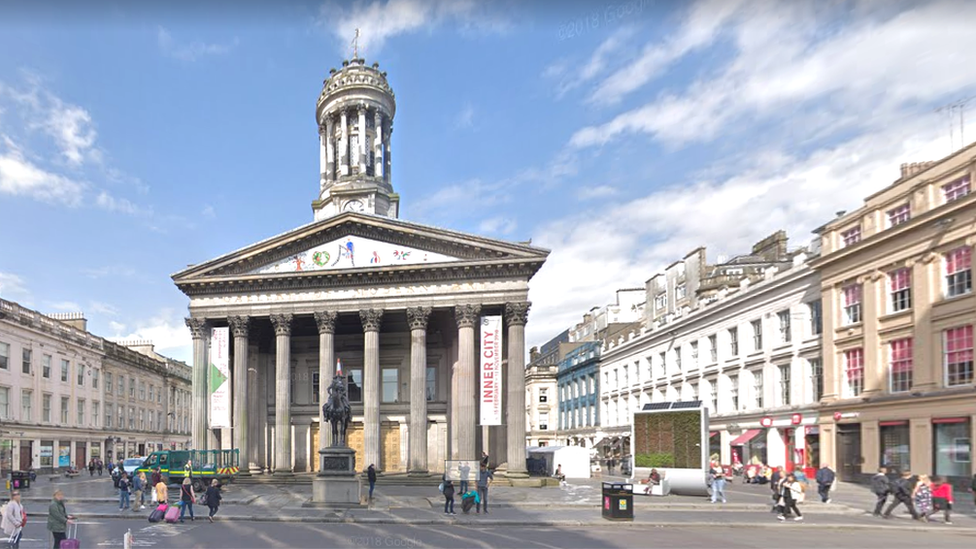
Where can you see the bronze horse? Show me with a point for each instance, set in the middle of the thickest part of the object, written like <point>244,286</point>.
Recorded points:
<point>336,411</point>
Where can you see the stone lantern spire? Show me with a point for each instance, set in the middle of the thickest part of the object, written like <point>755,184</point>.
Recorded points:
<point>354,114</point>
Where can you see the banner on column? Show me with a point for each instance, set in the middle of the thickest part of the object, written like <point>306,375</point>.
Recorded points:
<point>491,370</point>
<point>219,377</point>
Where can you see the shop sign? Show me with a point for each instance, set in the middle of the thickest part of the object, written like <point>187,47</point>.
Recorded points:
<point>766,421</point>
<point>797,419</point>
<point>845,415</point>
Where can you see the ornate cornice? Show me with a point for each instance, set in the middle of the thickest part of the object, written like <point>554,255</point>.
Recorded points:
<point>467,315</point>
<point>197,326</point>
<point>239,325</point>
<point>326,321</point>
<point>417,317</point>
<point>371,318</point>
<point>282,324</point>
<point>517,314</point>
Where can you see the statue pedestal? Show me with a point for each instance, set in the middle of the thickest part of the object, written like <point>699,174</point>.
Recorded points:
<point>337,484</point>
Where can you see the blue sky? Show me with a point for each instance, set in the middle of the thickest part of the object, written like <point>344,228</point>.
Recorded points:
<point>137,140</point>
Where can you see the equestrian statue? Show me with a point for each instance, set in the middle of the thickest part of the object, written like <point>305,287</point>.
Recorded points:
<point>337,411</point>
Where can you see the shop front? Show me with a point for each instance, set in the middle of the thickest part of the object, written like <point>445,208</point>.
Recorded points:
<point>791,441</point>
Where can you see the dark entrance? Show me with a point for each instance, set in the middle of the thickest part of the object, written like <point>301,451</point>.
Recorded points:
<point>81,457</point>
<point>849,451</point>
<point>26,455</point>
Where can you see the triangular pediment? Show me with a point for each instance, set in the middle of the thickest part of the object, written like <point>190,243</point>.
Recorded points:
<point>351,246</point>
<point>351,252</point>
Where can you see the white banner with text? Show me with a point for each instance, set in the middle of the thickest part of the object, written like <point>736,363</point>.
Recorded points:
<point>219,378</point>
<point>491,370</point>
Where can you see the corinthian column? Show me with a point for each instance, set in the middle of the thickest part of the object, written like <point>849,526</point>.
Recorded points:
<point>361,153</point>
<point>417,318</point>
<point>343,143</point>
<point>378,145</point>
<point>239,326</point>
<point>200,334</point>
<point>326,322</point>
<point>282,328</point>
<point>516,315</point>
<point>371,319</point>
<point>387,157</point>
<point>464,423</point>
<point>329,150</point>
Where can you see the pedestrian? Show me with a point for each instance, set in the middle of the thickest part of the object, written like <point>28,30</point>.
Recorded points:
<point>213,498</point>
<point>124,486</point>
<point>188,469</point>
<point>825,479</point>
<point>14,519</point>
<point>484,458</point>
<point>162,492</point>
<point>559,473</point>
<point>464,471</point>
<point>791,493</point>
<point>116,475</point>
<point>484,481</point>
<point>718,483</point>
<point>942,497</point>
<point>99,466</point>
<point>922,496</point>
<point>371,476</point>
<point>187,497</point>
<point>448,497</point>
<point>881,487</point>
<point>138,484</point>
<point>156,476</point>
<point>58,519</point>
<point>91,467</point>
<point>902,492</point>
<point>779,506</point>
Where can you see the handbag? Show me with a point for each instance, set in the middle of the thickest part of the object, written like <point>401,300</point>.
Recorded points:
<point>154,498</point>
<point>440,487</point>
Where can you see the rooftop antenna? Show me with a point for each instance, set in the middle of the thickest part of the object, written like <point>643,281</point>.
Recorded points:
<point>950,109</point>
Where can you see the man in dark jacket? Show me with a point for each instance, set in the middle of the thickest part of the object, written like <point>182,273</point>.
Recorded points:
<point>825,479</point>
<point>881,487</point>
<point>371,476</point>
<point>902,490</point>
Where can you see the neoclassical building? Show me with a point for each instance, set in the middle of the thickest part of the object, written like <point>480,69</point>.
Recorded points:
<point>399,303</point>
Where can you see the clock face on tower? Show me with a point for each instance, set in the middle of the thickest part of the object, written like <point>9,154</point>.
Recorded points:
<point>353,206</point>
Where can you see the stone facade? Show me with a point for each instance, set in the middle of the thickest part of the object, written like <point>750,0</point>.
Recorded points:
<point>899,313</point>
<point>60,400</point>
<point>399,304</point>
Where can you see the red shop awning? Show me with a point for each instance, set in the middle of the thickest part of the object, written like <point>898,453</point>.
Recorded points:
<point>745,437</point>
<point>713,433</point>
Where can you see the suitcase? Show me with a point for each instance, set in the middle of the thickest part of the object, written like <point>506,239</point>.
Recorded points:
<point>71,538</point>
<point>467,504</point>
<point>173,514</point>
<point>158,513</point>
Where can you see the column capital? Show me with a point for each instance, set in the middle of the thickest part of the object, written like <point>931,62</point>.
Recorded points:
<point>417,317</point>
<point>197,326</point>
<point>239,325</point>
<point>517,314</point>
<point>326,321</point>
<point>371,318</point>
<point>467,315</point>
<point>282,324</point>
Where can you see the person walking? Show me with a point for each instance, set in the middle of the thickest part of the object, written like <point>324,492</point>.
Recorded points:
<point>484,458</point>
<point>942,497</point>
<point>91,467</point>
<point>58,519</point>
<point>448,496</point>
<point>881,487</point>
<point>156,476</point>
<point>825,480</point>
<point>791,493</point>
<point>902,491</point>
<point>187,497</point>
<point>138,484</point>
<point>162,492</point>
<point>124,500</point>
<point>922,496</point>
<point>371,476</point>
<point>100,466</point>
<point>718,483</point>
<point>14,519</point>
<point>484,481</point>
<point>213,498</point>
<point>116,474</point>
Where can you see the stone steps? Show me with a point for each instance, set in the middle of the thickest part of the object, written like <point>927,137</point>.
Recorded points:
<point>393,479</point>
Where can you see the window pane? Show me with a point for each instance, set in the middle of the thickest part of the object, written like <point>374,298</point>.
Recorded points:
<point>354,385</point>
<point>391,381</point>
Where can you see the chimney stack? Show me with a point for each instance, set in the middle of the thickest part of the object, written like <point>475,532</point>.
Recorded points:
<point>75,320</point>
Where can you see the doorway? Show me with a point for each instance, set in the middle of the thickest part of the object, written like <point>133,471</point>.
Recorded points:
<point>81,459</point>
<point>849,451</point>
<point>26,455</point>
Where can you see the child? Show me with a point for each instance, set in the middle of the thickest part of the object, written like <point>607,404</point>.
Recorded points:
<point>449,497</point>
<point>942,497</point>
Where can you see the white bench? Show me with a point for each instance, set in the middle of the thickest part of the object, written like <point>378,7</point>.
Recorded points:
<point>662,489</point>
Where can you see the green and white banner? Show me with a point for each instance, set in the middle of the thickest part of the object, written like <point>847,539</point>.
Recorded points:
<point>219,378</point>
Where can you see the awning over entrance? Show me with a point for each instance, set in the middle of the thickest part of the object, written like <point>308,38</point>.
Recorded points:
<point>745,437</point>
<point>713,433</point>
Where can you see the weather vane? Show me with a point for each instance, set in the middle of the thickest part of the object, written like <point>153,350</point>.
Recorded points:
<point>355,45</point>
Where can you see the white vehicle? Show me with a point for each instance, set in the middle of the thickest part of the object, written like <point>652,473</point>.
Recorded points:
<point>130,465</point>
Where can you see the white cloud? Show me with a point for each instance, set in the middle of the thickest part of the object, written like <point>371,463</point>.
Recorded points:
<point>21,177</point>
<point>116,327</point>
<point>103,308</point>
<point>109,271</point>
<point>599,191</point>
<point>167,331</point>
<point>122,205</point>
<point>209,211</point>
<point>379,21</point>
<point>465,117</point>
<point>784,60</point>
<point>498,225</point>
<point>71,127</point>
<point>571,76</point>
<point>13,287</point>
<point>191,51</point>
<point>65,306</point>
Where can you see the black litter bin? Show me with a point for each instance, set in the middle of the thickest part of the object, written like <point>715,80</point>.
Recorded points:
<point>618,501</point>
<point>20,480</point>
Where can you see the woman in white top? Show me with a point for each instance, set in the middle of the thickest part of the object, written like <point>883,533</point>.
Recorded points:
<point>791,493</point>
<point>13,520</point>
